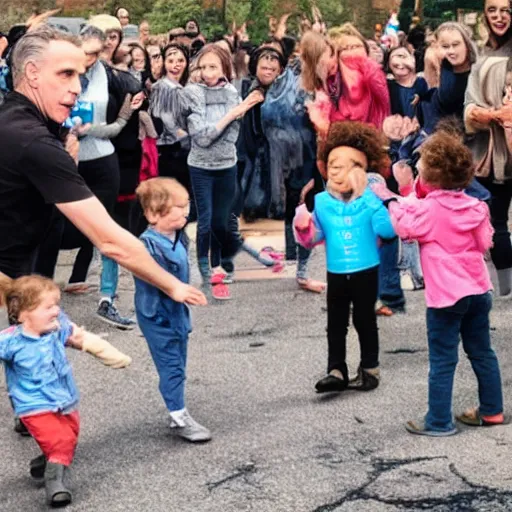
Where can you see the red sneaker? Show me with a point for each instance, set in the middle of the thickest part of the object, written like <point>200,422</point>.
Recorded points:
<point>220,290</point>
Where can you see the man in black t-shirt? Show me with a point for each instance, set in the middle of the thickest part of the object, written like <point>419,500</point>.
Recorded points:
<point>38,171</point>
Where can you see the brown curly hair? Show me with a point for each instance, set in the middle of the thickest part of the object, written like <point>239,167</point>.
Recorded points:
<point>23,294</point>
<point>361,136</point>
<point>447,162</point>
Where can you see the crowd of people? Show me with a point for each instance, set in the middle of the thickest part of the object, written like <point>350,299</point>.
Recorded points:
<point>395,152</point>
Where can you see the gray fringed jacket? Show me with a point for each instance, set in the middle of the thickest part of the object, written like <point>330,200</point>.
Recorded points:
<point>168,104</point>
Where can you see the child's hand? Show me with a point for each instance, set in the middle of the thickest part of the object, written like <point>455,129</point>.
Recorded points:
<point>403,173</point>
<point>302,219</point>
<point>382,191</point>
<point>76,340</point>
<point>305,190</point>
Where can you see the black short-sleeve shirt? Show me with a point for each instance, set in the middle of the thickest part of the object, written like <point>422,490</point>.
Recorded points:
<point>36,173</point>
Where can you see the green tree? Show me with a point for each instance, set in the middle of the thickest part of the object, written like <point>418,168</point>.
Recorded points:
<point>137,8</point>
<point>406,13</point>
<point>168,14</point>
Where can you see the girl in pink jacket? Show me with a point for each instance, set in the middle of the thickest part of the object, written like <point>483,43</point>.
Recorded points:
<point>454,232</point>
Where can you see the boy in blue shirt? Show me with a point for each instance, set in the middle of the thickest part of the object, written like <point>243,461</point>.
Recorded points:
<point>164,322</point>
<point>39,377</point>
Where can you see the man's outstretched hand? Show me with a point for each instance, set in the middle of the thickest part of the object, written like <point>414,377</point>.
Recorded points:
<point>188,294</point>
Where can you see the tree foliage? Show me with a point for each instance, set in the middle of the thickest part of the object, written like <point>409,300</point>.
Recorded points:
<point>168,14</point>
<point>137,8</point>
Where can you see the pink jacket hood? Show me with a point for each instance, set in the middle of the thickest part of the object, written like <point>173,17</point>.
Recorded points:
<point>454,231</point>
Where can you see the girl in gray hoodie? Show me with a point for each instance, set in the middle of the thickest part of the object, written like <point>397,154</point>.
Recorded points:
<point>213,110</point>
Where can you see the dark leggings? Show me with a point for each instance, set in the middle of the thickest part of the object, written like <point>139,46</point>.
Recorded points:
<point>501,196</point>
<point>359,289</point>
<point>172,163</point>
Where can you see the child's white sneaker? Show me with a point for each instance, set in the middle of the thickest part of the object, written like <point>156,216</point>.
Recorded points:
<point>188,428</point>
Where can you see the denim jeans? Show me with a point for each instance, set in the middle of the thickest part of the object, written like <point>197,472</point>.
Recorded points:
<point>214,192</point>
<point>109,277</point>
<point>294,251</point>
<point>390,291</point>
<point>469,319</point>
<point>218,255</point>
<point>169,354</point>
<point>410,260</point>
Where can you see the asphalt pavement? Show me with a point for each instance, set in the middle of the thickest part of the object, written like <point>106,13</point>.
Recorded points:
<point>277,446</point>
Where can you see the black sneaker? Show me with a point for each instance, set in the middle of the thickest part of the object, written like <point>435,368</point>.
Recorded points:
<point>109,314</point>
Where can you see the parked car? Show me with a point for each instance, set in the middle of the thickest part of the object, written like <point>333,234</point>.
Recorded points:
<point>69,25</point>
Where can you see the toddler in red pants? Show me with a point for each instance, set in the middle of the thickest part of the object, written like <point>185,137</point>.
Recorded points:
<point>39,377</point>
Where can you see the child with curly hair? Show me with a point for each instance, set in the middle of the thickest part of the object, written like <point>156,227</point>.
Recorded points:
<point>454,232</point>
<point>39,377</point>
<point>350,218</point>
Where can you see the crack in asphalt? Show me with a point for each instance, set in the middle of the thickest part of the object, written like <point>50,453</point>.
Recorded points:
<point>405,351</point>
<point>240,472</point>
<point>467,501</point>
<point>250,332</point>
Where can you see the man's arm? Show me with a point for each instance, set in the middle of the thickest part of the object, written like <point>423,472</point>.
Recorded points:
<point>91,218</point>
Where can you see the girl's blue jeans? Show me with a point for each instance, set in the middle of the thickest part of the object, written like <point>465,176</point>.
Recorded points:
<point>467,319</point>
<point>214,192</point>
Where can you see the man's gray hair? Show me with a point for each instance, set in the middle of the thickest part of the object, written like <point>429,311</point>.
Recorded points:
<point>33,44</point>
<point>92,32</point>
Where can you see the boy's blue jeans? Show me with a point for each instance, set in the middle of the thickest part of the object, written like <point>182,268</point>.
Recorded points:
<point>169,353</point>
<point>468,319</point>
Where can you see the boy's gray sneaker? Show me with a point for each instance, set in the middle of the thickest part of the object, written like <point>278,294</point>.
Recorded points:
<point>188,428</point>
<point>109,314</point>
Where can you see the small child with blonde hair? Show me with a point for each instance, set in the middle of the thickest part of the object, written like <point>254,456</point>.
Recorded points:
<point>39,378</point>
<point>164,322</point>
<point>350,218</point>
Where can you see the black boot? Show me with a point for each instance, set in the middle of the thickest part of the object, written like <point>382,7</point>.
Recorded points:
<point>37,467</point>
<point>57,494</point>
<point>366,380</point>
<point>19,428</point>
<point>332,383</point>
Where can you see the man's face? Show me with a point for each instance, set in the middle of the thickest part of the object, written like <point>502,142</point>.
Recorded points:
<point>54,80</point>
<point>92,49</point>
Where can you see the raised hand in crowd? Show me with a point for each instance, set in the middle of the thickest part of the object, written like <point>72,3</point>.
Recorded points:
<point>38,19</point>
<point>402,172</point>
<point>253,99</point>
